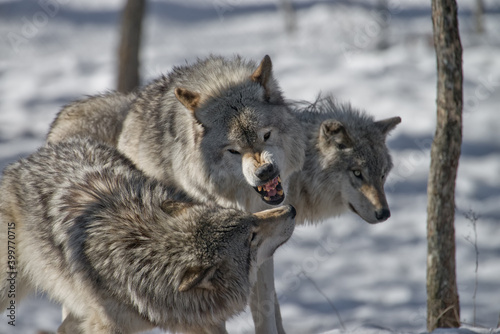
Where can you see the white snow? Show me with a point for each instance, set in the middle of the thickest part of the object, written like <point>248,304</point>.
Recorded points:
<point>373,276</point>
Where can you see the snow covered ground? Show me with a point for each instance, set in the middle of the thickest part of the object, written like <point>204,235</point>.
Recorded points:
<point>52,52</point>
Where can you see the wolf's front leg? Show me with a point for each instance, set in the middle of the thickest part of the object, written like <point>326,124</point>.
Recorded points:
<point>277,314</point>
<point>263,303</point>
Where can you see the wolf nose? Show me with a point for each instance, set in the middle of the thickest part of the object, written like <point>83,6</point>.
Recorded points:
<point>382,214</point>
<point>265,172</point>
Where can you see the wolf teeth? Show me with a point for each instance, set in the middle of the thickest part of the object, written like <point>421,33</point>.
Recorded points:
<point>280,192</point>
<point>267,198</point>
<point>259,188</point>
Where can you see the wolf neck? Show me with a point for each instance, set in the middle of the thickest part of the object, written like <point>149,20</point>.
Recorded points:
<point>313,201</point>
<point>314,192</point>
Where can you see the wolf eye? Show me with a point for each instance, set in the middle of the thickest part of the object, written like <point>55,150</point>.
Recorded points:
<point>383,176</point>
<point>233,151</point>
<point>267,135</point>
<point>357,173</point>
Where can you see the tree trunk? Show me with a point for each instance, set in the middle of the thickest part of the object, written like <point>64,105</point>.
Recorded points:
<point>478,16</point>
<point>290,16</point>
<point>128,67</point>
<point>443,309</point>
<point>385,17</point>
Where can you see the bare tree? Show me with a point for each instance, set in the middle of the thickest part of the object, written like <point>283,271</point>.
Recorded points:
<point>443,309</point>
<point>478,16</point>
<point>385,17</point>
<point>286,6</point>
<point>128,67</point>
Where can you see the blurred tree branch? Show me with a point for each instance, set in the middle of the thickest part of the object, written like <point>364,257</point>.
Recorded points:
<point>130,40</point>
<point>478,15</point>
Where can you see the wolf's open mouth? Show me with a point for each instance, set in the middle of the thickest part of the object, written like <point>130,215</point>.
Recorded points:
<point>272,192</point>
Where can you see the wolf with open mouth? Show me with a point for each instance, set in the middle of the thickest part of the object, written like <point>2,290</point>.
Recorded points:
<point>218,128</point>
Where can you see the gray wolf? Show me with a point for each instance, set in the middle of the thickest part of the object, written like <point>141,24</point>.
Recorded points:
<point>219,129</point>
<point>123,252</point>
<point>347,163</point>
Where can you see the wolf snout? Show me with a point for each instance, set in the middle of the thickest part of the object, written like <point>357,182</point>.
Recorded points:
<point>288,211</point>
<point>382,214</point>
<point>265,172</point>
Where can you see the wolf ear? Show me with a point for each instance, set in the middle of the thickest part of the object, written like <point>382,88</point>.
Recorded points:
<point>173,208</point>
<point>189,99</point>
<point>387,125</point>
<point>334,132</point>
<point>197,277</point>
<point>263,73</point>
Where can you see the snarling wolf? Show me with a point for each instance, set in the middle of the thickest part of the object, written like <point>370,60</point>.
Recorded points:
<point>218,129</point>
<point>123,252</point>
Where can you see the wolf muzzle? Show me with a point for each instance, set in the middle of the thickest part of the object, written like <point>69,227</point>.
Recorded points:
<point>272,192</point>
<point>382,214</point>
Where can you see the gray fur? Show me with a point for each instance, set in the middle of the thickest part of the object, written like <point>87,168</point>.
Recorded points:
<point>99,116</point>
<point>316,190</point>
<point>186,145</point>
<point>341,140</point>
<point>190,148</point>
<point>123,252</point>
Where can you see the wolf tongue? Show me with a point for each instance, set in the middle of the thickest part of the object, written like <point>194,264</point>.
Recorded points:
<point>271,184</point>
<point>271,192</point>
<point>272,188</point>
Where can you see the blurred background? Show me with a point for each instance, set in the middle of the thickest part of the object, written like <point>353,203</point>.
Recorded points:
<point>378,55</point>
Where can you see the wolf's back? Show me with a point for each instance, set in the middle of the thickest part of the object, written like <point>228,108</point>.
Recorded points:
<point>30,190</point>
<point>99,117</point>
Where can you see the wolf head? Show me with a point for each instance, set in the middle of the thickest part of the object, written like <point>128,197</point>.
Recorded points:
<point>366,164</point>
<point>248,137</point>
<point>210,262</point>
<point>229,245</point>
<point>348,161</point>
